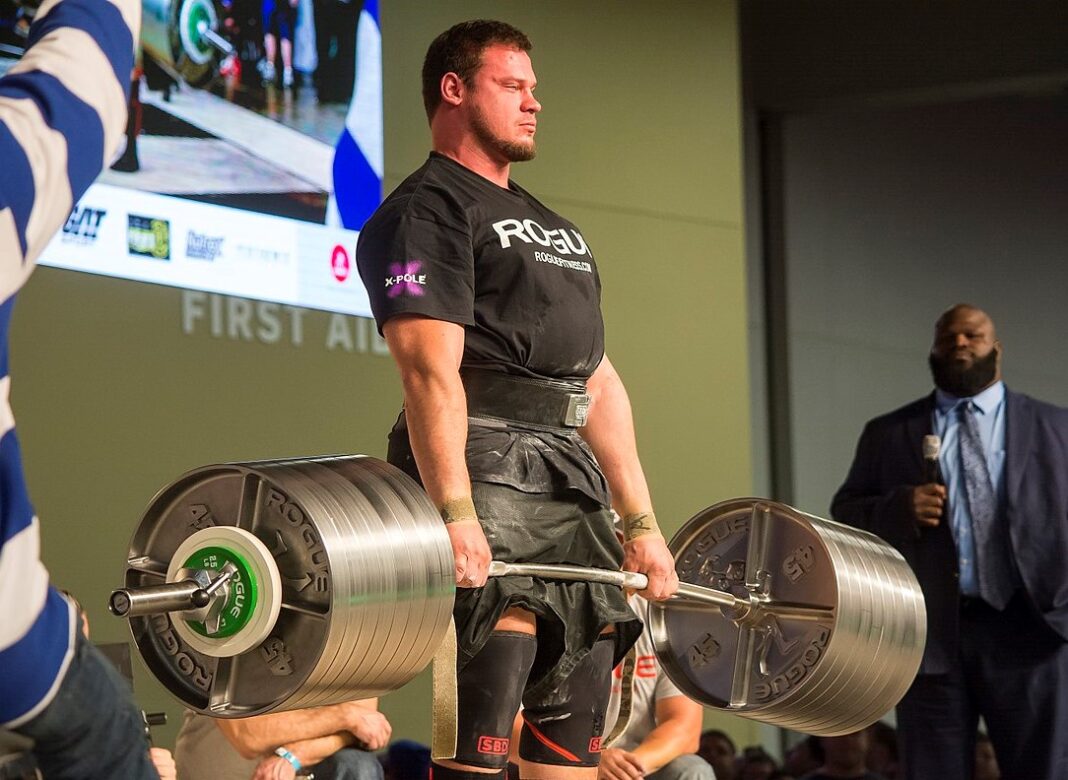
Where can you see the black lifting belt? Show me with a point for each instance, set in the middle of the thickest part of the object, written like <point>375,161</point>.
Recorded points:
<point>556,404</point>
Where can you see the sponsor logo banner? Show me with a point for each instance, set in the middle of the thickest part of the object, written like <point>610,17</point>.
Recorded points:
<point>148,237</point>
<point>201,247</point>
<point>83,225</point>
<point>339,263</point>
<point>215,249</point>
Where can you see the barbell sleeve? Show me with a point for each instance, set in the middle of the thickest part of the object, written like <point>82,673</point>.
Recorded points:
<point>622,579</point>
<point>155,599</point>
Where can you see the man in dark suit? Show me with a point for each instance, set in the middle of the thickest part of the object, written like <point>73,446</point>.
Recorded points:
<point>989,545</point>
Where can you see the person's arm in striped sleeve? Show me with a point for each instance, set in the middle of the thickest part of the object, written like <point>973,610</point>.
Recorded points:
<point>62,112</point>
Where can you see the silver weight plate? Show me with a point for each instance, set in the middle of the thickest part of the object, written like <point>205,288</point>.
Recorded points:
<point>835,631</point>
<point>366,582</point>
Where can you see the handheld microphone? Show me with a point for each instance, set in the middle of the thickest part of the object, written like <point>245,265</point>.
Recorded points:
<point>932,445</point>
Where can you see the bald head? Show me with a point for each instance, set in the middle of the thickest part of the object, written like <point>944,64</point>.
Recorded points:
<point>964,313</point>
<point>965,355</point>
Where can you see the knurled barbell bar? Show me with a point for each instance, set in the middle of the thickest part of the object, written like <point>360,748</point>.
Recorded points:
<point>277,585</point>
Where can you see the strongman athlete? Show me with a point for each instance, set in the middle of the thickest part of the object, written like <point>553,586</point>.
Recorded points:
<point>514,420</point>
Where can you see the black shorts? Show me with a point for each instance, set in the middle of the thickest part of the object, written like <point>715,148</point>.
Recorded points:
<point>557,517</point>
<point>546,528</point>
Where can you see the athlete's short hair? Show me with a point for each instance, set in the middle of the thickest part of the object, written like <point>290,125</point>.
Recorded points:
<point>459,50</point>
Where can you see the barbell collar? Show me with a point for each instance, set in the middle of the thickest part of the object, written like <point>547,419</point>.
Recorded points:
<point>623,579</point>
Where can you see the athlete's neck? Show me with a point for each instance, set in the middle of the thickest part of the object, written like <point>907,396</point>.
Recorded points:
<point>473,156</point>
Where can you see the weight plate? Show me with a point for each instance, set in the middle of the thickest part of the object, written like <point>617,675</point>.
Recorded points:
<point>254,603</point>
<point>364,591</point>
<point>834,634</point>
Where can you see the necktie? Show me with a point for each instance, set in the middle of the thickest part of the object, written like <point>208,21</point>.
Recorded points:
<point>991,544</point>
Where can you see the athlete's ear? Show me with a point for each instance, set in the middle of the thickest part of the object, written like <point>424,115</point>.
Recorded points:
<point>452,89</point>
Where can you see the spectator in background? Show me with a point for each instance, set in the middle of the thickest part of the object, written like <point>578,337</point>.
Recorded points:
<point>62,111</point>
<point>842,758</point>
<point>986,763</point>
<point>988,548</point>
<point>801,758</point>
<point>161,758</point>
<point>335,44</point>
<point>882,750</point>
<point>719,751</point>
<point>663,729</point>
<point>756,764</point>
<point>334,741</point>
<point>406,760</point>
<point>279,21</point>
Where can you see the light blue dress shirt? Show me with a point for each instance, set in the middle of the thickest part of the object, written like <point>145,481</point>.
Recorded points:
<point>990,414</point>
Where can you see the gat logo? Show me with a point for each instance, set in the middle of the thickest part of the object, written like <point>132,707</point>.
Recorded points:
<point>83,225</point>
<point>148,237</point>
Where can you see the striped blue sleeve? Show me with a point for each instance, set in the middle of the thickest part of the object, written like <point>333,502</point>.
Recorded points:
<point>62,112</point>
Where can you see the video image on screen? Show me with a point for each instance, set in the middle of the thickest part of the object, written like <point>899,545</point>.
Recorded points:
<point>253,151</point>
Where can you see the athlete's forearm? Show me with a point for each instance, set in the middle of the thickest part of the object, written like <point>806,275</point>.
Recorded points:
<point>610,433</point>
<point>436,409</point>
<point>428,354</point>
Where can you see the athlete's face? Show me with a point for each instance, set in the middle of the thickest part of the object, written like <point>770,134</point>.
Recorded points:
<point>503,109</point>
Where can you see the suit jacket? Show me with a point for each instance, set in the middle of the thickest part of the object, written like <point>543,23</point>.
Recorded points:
<point>876,497</point>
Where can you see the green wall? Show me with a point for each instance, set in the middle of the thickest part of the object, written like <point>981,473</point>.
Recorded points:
<point>639,144</point>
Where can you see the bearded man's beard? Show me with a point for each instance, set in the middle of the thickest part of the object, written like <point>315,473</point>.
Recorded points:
<point>963,381</point>
<point>510,150</point>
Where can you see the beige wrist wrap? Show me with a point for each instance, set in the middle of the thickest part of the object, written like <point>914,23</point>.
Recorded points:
<point>456,509</point>
<point>639,524</point>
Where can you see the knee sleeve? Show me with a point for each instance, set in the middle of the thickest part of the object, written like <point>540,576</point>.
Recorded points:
<point>566,728</point>
<point>488,691</point>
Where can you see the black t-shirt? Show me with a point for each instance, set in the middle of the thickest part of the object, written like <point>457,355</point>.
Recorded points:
<point>452,245</point>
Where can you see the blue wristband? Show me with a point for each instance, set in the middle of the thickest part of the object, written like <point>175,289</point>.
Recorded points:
<point>283,753</point>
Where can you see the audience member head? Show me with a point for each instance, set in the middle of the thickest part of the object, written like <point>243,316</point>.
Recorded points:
<point>966,354</point>
<point>882,749</point>
<point>406,759</point>
<point>986,763</point>
<point>756,764</point>
<point>719,751</point>
<point>803,757</point>
<point>845,755</point>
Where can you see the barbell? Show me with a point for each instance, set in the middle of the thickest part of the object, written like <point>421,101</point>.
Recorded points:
<point>279,585</point>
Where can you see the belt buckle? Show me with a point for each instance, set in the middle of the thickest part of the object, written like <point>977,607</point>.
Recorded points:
<point>578,408</point>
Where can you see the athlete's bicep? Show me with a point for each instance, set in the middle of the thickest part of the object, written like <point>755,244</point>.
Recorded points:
<point>424,346</point>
